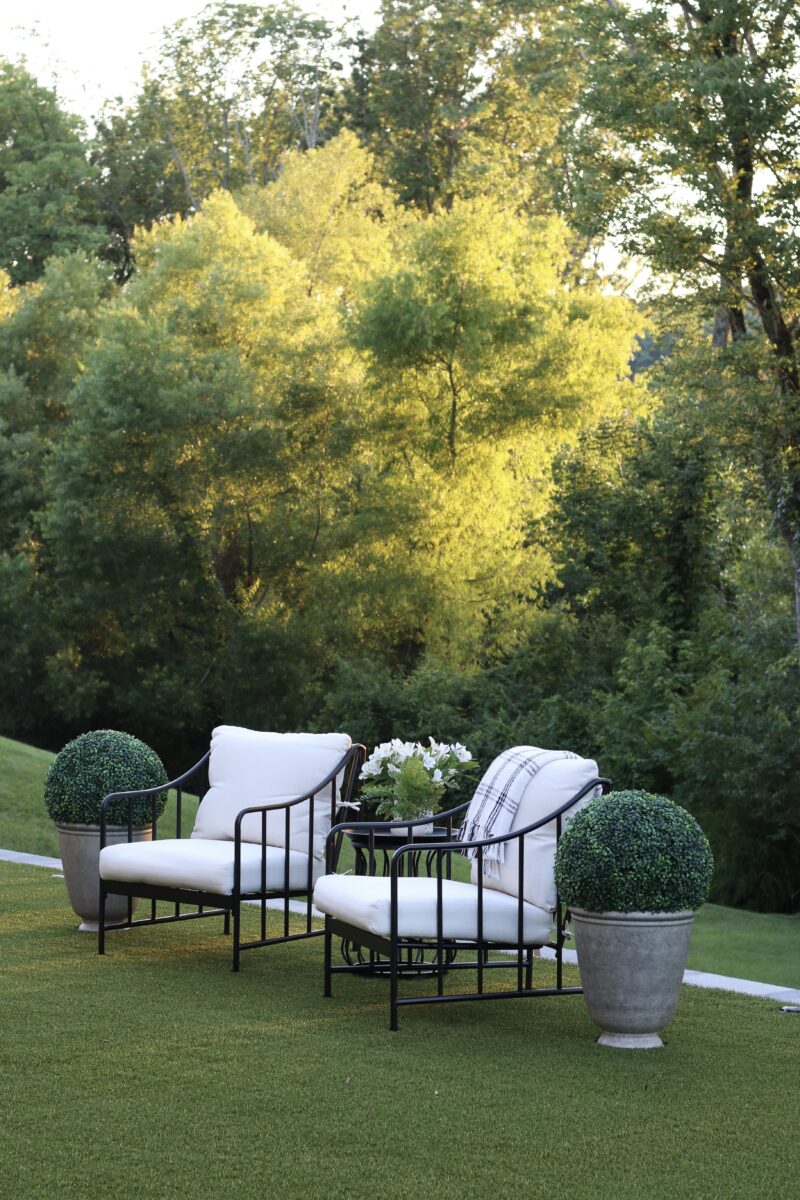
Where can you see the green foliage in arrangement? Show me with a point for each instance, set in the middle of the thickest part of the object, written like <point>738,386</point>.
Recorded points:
<point>95,764</point>
<point>408,779</point>
<point>634,852</point>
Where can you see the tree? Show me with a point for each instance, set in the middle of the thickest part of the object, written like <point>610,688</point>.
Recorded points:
<point>47,331</point>
<point>236,87</point>
<point>199,499</point>
<point>694,106</point>
<point>481,336</point>
<point>634,522</point>
<point>420,85</point>
<point>327,209</point>
<point>47,202</point>
<point>137,181</point>
<point>155,465</point>
<point>483,361</point>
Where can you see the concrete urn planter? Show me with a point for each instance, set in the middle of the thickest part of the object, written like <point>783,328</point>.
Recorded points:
<point>101,772</point>
<point>631,966</point>
<point>80,854</point>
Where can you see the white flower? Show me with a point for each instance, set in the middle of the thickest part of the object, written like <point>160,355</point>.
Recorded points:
<point>441,761</point>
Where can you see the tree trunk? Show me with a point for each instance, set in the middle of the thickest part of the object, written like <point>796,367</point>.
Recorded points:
<point>794,552</point>
<point>180,164</point>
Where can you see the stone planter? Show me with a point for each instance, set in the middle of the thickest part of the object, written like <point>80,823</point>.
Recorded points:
<point>631,967</point>
<point>80,855</point>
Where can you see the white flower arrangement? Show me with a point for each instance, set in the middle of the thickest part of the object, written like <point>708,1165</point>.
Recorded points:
<point>409,779</point>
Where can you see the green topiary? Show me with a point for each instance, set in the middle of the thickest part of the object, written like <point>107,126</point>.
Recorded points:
<point>96,763</point>
<point>633,852</point>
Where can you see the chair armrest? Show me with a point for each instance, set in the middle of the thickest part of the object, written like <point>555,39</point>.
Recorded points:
<point>350,764</point>
<point>449,847</point>
<point>352,754</point>
<point>457,844</point>
<point>155,792</point>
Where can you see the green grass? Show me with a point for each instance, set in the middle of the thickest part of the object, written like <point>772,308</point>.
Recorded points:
<point>157,1072</point>
<point>750,945</point>
<point>24,823</point>
<point>725,941</point>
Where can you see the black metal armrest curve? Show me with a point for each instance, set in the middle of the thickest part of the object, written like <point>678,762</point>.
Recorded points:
<point>444,847</point>
<point>130,796</point>
<point>352,753</point>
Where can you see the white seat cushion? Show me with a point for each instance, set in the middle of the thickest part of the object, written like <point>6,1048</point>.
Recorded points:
<point>364,901</point>
<point>204,865</point>
<point>556,781</point>
<point>248,767</point>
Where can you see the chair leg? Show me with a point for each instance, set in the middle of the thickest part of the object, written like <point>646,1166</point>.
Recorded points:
<point>328,973</point>
<point>226,928</point>
<point>529,969</point>
<point>237,916</point>
<point>101,928</point>
<point>394,973</point>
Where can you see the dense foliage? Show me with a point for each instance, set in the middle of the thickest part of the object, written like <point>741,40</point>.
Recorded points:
<point>95,764</point>
<point>322,405</point>
<point>633,852</point>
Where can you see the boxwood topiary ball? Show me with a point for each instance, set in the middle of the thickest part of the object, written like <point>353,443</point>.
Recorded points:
<point>96,763</point>
<point>633,852</point>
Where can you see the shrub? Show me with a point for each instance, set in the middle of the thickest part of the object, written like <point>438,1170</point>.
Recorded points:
<point>96,763</point>
<point>633,852</point>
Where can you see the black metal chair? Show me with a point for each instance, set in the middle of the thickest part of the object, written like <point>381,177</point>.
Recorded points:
<point>412,926</point>
<point>259,834</point>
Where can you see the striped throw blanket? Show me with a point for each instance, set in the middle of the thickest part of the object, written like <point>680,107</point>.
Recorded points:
<point>498,796</point>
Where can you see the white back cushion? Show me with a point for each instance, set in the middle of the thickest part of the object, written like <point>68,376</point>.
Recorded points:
<point>553,785</point>
<point>248,767</point>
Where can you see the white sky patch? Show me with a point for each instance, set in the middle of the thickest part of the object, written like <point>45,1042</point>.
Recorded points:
<point>90,51</point>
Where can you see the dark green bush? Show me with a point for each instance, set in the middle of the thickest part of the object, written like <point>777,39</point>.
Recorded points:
<point>633,852</point>
<point>96,763</point>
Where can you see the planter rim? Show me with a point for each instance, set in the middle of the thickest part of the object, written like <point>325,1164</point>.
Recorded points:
<point>79,827</point>
<point>678,915</point>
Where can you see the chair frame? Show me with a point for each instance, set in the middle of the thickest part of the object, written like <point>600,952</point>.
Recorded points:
<point>448,952</point>
<point>212,904</point>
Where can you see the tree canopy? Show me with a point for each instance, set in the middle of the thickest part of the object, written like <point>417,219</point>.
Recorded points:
<point>440,380</point>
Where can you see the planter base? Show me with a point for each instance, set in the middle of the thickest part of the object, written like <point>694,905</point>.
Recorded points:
<point>93,927</point>
<point>631,1041</point>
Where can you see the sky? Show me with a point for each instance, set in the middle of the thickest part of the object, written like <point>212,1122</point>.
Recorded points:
<point>91,50</point>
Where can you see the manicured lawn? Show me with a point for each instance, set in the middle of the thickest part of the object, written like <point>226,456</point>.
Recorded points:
<point>24,823</point>
<point>157,1072</point>
<point>750,945</point>
<point>726,941</point>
